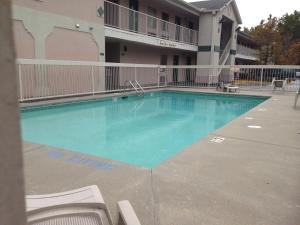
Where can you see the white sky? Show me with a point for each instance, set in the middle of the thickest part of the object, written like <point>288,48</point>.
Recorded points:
<point>253,11</point>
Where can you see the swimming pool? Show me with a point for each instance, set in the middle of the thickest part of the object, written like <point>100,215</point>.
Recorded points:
<point>135,130</point>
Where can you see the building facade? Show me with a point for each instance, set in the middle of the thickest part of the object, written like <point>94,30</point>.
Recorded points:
<point>128,31</point>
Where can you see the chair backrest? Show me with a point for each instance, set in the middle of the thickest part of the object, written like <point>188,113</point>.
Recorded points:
<point>273,80</point>
<point>80,205</point>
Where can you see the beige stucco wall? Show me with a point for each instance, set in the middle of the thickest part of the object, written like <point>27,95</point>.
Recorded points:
<point>24,41</point>
<point>82,47</point>
<point>41,19</point>
<point>143,54</point>
<point>77,9</point>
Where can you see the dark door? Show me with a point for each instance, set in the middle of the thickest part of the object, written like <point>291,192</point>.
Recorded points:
<point>189,77</point>
<point>133,15</point>
<point>177,31</point>
<point>175,70</point>
<point>163,71</point>
<point>164,25</point>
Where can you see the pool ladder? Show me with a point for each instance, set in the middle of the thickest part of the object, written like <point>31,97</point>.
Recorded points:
<point>137,87</point>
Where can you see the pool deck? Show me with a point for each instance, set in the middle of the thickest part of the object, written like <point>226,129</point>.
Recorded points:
<point>251,178</point>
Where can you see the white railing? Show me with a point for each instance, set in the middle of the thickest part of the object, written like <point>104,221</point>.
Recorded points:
<point>243,50</point>
<point>123,18</point>
<point>45,79</point>
<point>254,78</point>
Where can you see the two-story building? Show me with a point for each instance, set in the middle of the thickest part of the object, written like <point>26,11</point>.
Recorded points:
<point>171,32</point>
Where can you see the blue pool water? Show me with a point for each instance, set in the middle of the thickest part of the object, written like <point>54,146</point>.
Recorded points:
<point>139,131</point>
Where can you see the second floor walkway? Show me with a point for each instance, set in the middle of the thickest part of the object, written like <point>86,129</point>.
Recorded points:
<point>123,18</point>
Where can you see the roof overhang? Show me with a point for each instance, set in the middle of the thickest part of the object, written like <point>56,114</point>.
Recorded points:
<point>236,11</point>
<point>196,11</point>
<point>214,11</point>
<point>185,6</point>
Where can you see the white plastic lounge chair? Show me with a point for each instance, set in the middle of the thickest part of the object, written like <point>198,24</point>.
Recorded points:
<point>231,88</point>
<point>279,84</point>
<point>227,87</point>
<point>84,206</point>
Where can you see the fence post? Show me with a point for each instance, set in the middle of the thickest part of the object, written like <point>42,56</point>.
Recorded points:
<point>120,19</point>
<point>157,24</point>
<point>158,77</point>
<point>20,82</point>
<point>166,77</point>
<point>261,77</point>
<point>147,24</point>
<point>93,81</point>
<point>135,74</point>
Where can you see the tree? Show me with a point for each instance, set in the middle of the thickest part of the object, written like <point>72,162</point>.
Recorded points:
<point>267,38</point>
<point>278,39</point>
<point>293,54</point>
<point>289,28</point>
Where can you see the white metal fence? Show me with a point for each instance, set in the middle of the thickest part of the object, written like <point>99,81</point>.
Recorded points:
<point>246,77</point>
<point>127,19</point>
<point>44,79</point>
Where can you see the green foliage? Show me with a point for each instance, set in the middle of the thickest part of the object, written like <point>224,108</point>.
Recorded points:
<point>290,25</point>
<point>266,37</point>
<point>278,39</point>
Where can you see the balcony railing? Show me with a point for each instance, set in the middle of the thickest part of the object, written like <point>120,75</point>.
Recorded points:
<point>243,50</point>
<point>123,18</point>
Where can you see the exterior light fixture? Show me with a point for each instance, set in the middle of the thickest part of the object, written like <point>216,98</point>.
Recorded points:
<point>100,11</point>
<point>77,25</point>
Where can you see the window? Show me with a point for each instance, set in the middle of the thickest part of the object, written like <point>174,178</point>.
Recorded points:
<point>151,20</point>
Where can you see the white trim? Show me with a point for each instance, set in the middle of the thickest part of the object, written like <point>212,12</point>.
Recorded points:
<point>82,63</point>
<point>148,40</point>
<point>241,56</point>
<point>88,63</point>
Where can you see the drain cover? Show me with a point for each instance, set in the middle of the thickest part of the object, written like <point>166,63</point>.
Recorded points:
<point>217,140</point>
<point>262,110</point>
<point>254,127</point>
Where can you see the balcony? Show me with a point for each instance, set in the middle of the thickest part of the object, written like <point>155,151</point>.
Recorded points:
<point>245,52</point>
<point>120,17</point>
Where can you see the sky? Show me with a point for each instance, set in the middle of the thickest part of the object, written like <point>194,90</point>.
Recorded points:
<point>253,11</point>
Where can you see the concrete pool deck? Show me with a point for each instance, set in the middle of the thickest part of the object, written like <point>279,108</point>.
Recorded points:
<point>252,177</point>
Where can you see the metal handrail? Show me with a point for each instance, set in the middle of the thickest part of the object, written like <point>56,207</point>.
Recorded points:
<point>142,89</point>
<point>225,53</point>
<point>136,88</point>
<point>149,16</point>
<point>160,21</point>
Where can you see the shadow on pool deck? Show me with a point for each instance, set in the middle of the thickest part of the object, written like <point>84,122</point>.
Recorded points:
<point>252,177</point>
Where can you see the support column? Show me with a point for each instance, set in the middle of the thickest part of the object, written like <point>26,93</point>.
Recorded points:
<point>12,207</point>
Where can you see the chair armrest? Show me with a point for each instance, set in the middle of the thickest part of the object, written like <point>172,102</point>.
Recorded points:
<point>126,215</point>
